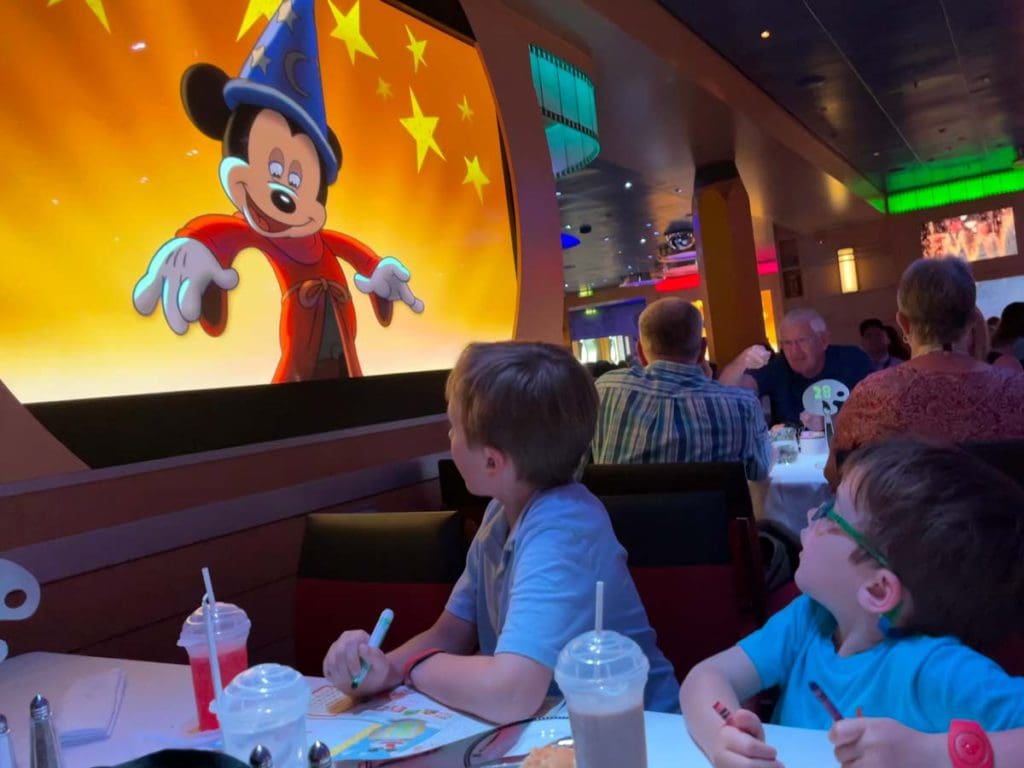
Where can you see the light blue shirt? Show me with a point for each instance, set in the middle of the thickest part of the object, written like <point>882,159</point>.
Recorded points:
<point>530,592</point>
<point>923,682</point>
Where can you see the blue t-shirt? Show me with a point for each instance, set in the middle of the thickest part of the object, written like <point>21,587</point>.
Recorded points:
<point>923,682</point>
<point>531,591</point>
<point>785,387</point>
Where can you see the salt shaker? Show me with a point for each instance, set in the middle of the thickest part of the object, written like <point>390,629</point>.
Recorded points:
<point>320,755</point>
<point>6,745</point>
<point>260,757</point>
<point>42,738</point>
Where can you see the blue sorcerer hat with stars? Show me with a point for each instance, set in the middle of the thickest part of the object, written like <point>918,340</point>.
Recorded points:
<point>283,73</point>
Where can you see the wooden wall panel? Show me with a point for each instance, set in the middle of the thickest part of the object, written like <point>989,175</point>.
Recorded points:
<point>135,609</point>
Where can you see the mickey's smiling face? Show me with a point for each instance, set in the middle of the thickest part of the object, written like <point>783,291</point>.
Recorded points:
<point>277,183</point>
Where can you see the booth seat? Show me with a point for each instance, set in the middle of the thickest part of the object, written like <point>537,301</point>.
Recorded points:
<point>353,565</point>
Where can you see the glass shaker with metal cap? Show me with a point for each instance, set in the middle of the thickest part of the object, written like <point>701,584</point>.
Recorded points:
<point>45,749</point>
<point>6,745</point>
<point>260,757</point>
<point>320,756</point>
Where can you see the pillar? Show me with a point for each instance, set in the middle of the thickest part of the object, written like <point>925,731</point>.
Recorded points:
<point>727,261</point>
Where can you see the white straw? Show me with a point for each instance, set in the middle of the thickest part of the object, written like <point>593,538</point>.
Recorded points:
<point>599,609</point>
<point>209,586</point>
<point>209,618</point>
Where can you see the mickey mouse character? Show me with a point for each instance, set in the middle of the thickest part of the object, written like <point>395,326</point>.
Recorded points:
<point>279,159</point>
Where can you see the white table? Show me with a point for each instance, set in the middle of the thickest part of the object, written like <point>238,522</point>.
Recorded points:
<point>158,701</point>
<point>795,488</point>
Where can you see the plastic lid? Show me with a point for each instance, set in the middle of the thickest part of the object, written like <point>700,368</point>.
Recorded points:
<point>230,623</point>
<point>264,696</point>
<point>599,659</point>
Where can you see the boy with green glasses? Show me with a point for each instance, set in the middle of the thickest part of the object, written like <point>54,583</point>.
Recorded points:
<point>921,554</point>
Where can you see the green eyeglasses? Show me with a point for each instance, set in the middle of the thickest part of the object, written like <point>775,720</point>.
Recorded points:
<point>828,509</point>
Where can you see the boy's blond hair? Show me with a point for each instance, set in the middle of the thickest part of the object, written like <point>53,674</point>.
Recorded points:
<point>533,402</point>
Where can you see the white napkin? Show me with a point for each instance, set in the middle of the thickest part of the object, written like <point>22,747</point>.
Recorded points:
<point>88,709</point>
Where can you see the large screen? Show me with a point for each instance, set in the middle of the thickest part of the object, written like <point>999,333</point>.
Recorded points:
<point>972,236</point>
<point>209,194</point>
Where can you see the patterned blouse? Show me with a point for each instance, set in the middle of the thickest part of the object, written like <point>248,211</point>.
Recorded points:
<point>957,407</point>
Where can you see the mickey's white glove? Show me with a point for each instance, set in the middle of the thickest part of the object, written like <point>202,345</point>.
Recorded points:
<point>390,281</point>
<point>178,275</point>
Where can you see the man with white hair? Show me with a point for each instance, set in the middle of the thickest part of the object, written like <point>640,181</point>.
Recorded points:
<point>671,410</point>
<point>807,357</point>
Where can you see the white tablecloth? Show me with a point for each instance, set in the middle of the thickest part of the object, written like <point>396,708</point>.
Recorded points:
<point>158,705</point>
<point>795,488</point>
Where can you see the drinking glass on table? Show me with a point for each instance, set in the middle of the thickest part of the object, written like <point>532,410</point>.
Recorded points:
<point>784,444</point>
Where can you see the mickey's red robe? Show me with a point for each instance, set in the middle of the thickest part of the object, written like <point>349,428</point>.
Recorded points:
<point>312,285</point>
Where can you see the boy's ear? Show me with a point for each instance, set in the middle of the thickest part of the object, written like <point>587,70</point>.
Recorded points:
<point>494,460</point>
<point>640,354</point>
<point>881,593</point>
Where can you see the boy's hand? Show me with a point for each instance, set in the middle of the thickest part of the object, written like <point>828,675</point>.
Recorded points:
<point>875,742</point>
<point>345,658</point>
<point>740,744</point>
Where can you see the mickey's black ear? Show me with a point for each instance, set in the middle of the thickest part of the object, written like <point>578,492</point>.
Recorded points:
<point>202,93</point>
<point>332,139</point>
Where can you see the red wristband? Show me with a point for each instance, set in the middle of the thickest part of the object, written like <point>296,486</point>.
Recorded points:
<point>968,745</point>
<point>416,659</point>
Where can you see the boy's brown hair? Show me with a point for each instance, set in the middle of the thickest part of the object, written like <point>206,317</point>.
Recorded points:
<point>533,402</point>
<point>952,528</point>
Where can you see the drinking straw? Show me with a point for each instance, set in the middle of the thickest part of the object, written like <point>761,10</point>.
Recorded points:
<point>210,618</point>
<point>599,610</point>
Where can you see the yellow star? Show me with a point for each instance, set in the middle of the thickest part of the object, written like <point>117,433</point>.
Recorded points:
<point>348,32</point>
<point>465,109</point>
<point>286,14</point>
<point>422,129</point>
<point>417,47</point>
<point>254,11</point>
<point>475,176</point>
<point>260,58</point>
<point>96,6</point>
<point>383,88</point>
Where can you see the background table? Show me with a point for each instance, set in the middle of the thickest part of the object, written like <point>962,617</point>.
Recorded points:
<point>791,490</point>
<point>158,704</point>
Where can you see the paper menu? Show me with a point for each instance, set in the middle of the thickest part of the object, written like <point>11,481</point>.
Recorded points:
<point>401,723</point>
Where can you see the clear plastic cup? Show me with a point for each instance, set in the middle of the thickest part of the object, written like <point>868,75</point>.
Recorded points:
<point>231,632</point>
<point>784,445</point>
<point>602,675</point>
<point>266,705</point>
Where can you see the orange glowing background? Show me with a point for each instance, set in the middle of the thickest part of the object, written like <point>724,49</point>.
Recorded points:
<point>103,166</point>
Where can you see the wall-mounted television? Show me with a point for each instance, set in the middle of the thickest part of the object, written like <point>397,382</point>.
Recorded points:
<point>144,187</point>
<point>971,236</point>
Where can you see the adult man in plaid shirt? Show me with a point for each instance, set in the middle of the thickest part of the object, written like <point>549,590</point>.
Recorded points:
<point>671,410</point>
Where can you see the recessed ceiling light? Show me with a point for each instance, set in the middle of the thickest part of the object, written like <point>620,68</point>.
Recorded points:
<point>650,255</point>
<point>628,185</point>
<point>648,225</point>
<point>558,194</point>
<point>568,226</point>
<point>606,238</point>
<point>656,233</point>
<point>877,154</point>
<point>643,240</point>
<point>765,34</point>
<point>679,190</point>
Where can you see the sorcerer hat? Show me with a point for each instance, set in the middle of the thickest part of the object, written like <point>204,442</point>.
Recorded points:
<point>283,73</point>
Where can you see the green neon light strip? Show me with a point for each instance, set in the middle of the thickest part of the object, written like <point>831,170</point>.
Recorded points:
<point>999,183</point>
<point>951,169</point>
<point>566,97</point>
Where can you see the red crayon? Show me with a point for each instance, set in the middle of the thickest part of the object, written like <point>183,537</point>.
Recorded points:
<point>722,710</point>
<point>826,702</point>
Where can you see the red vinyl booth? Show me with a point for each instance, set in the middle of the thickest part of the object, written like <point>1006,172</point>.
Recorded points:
<point>353,565</point>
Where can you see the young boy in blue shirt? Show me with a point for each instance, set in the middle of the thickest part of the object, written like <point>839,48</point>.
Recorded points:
<point>522,416</point>
<point>921,552</point>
